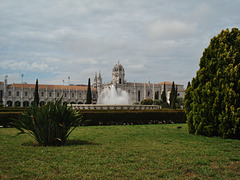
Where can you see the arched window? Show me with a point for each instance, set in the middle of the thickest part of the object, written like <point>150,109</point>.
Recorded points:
<point>9,104</point>
<point>17,104</point>
<point>120,81</point>
<point>42,103</point>
<point>148,93</point>
<point>25,104</point>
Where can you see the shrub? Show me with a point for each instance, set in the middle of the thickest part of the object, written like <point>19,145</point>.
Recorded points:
<point>212,102</point>
<point>50,124</point>
<point>147,102</point>
<point>121,117</point>
<point>6,118</point>
<point>157,102</point>
<point>165,105</point>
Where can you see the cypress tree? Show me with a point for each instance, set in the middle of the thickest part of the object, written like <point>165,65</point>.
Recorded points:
<point>163,95</point>
<point>189,84</point>
<point>173,97</point>
<point>89,93</point>
<point>36,95</point>
<point>212,102</point>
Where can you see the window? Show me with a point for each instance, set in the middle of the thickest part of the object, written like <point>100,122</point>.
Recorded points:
<point>80,94</point>
<point>57,94</point>
<point>139,96</point>
<point>72,94</point>
<point>26,93</point>
<point>65,94</point>
<point>42,94</point>
<point>50,94</point>
<point>9,93</point>
<point>157,95</point>
<point>17,93</point>
<point>148,93</point>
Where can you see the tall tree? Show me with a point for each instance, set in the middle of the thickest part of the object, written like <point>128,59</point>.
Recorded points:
<point>212,102</point>
<point>189,84</point>
<point>173,97</point>
<point>36,95</point>
<point>163,95</point>
<point>89,93</point>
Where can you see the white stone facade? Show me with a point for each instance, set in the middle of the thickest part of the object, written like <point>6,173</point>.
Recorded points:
<point>22,95</point>
<point>137,91</point>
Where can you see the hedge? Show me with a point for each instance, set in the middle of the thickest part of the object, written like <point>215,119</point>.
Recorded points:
<point>116,117</point>
<point>12,109</point>
<point>6,118</point>
<point>121,117</point>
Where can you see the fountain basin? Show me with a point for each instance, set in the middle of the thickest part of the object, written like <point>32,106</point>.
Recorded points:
<point>113,107</point>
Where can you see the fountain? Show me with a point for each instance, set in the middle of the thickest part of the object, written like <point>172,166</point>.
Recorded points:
<point>113,96</point>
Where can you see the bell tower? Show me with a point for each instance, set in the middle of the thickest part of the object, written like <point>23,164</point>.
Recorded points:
<point>118,75</point>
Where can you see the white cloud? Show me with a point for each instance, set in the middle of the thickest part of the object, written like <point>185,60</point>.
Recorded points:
<point>24,65</point>
<point>171,30</point>
<point>52,40</point>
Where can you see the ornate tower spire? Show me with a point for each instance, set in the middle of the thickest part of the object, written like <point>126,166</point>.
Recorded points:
<point>118,75</point>
<point>95,81</point>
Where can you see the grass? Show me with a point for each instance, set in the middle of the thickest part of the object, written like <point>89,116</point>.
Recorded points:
<point>121,152</point>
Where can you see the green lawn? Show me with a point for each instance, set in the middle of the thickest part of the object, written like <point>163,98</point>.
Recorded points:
<point>121,152</point>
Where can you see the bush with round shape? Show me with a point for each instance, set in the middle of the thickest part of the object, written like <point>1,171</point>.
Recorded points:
<point>147,102</point>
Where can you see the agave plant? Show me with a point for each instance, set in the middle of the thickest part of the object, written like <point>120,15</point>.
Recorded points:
<point>51,124</point>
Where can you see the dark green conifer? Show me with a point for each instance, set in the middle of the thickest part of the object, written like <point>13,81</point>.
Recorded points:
<point>212,102</point>
<point>163,95</point>
<point>36,95</point>
<point>173,97</point>
<point>89,93</point>
<point>189,84</point>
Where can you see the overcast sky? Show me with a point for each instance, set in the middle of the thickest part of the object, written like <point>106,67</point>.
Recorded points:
<point>156,40</point>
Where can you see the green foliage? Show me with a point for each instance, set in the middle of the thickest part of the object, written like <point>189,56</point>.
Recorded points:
<point>212,102</point>
<point>157,102</point>
<point>89,93</point>
<point>113,117</point>
<point>6,118</point>
<point>1,105</point>
<point>120,117</point>
<point>163,95</point>
<point>36,95</point>
<point>165,105</point>
<point>50,124</point>
<point>189,84</point>
<point>147,102</point>
<point>173,96</point>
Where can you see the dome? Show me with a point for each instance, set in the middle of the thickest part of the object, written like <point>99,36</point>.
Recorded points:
<point>118,67</point>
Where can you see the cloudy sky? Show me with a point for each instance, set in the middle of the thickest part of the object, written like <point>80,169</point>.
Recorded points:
<point>156,40</point>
